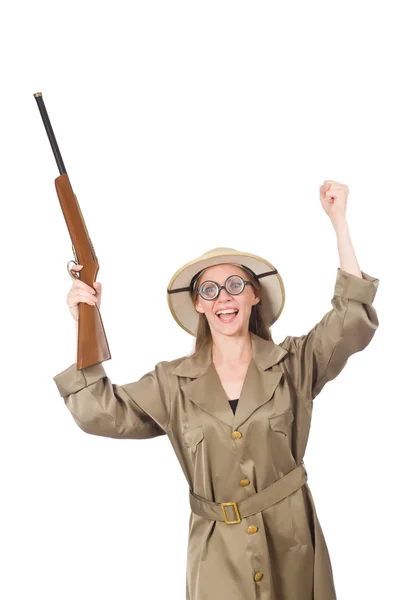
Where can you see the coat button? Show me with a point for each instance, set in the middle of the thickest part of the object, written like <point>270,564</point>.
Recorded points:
<point>244,482</point>
<point>258,576</point>
<point>252,529</point>
<point>236,435</point>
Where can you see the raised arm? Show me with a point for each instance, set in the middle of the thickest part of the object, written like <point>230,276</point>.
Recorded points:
<point>137,410</point>
<point>320,355</point>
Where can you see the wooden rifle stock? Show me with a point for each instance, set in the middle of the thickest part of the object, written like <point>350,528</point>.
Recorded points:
<point>92,345</point>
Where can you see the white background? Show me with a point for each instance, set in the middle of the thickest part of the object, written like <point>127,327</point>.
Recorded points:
<point>186,126</point>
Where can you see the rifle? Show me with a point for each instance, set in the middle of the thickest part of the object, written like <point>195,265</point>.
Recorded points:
<point>92,345</point>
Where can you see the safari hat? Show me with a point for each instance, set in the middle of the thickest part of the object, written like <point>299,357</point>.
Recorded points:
<point>179,289</point>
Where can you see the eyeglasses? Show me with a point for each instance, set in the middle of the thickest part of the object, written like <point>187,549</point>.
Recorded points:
<point>190,288</point>
<point>210,290</point>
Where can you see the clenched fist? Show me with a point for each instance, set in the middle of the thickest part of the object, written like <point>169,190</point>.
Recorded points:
<point>333,198</point>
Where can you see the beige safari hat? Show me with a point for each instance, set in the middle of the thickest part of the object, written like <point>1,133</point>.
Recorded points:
<point>181,285</point>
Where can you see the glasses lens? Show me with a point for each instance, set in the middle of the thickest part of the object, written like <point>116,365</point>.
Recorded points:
<point>209,290</point>
<point>234,284</point>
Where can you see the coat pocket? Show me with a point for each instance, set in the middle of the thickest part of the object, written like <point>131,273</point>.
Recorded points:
<point>282,421</point>
<point>192,437</point>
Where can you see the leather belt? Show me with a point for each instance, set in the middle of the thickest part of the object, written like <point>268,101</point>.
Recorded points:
<point>280,489</point>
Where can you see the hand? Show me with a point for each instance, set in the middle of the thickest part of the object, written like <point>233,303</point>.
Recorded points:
<point>333,198</point>
<point>81,292</point>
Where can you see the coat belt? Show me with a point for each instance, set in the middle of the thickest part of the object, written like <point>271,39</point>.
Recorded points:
<point>280,489</point>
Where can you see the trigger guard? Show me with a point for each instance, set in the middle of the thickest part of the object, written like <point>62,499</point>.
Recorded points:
<point>69,271</point>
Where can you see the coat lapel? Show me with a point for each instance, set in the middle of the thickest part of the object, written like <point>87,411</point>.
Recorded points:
<point>258,388</point>
<point>206,389</point>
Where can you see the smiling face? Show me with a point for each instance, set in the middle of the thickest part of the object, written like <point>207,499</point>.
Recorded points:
<point>241,303</point>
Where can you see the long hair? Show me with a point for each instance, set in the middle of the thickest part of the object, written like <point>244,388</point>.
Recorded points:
<point>256,324</point>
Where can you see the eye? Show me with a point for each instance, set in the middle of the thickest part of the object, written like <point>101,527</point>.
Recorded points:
<point>234,284</point>
<point>208,288</point>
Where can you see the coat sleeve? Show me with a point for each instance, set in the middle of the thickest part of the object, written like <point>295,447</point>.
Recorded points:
<point>137,410</point>
<point>320,355</point>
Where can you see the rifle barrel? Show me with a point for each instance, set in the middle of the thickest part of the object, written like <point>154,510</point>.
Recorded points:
<point>50,132</point>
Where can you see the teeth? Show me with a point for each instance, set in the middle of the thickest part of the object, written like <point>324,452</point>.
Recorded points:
<point>226,312</point>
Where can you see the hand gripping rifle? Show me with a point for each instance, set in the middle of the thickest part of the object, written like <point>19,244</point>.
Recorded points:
<point>92,345</point>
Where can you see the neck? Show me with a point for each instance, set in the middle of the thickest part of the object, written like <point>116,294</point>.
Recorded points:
<point>231,350</point>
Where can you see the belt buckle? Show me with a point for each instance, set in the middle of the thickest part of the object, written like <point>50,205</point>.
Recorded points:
<point>223,504</point>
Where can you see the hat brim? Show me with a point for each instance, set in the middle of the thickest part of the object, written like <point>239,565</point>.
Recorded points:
<point>181,304</point>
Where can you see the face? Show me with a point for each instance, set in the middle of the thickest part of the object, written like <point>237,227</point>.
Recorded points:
<point>242,303</point>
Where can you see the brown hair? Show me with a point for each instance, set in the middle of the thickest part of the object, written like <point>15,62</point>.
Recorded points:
<point>256,324</point>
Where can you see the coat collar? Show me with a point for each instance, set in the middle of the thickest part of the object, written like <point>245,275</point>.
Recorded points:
<point>206,389</point>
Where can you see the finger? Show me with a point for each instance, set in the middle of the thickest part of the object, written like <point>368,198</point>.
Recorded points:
<point>337,187</point>
<point>79,295</point>
<point>88,300</point>
<point>71,304</point>
<point>81,285</point>
<point>336,184</point>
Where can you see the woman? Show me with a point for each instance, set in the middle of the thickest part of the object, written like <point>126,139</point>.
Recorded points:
<point>237,413</point>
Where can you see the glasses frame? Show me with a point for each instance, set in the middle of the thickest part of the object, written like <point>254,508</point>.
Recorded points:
<point>223,287</point>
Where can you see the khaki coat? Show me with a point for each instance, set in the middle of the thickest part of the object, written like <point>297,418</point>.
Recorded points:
<point>279,553</point>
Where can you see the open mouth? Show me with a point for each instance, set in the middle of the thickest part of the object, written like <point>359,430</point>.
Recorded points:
<point>227,316</point>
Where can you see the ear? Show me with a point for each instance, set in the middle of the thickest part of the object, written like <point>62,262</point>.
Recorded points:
<point>198,306</point>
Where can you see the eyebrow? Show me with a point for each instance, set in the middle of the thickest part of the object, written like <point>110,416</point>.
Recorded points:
<point>217,282</point>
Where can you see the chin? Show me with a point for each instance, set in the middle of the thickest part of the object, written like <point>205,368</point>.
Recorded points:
<point>232,329</point>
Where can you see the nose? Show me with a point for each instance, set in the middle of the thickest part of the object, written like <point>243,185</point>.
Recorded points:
<point>224,294</point>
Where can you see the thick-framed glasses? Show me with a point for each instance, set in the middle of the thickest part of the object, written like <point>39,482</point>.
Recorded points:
<point>210,290</point>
